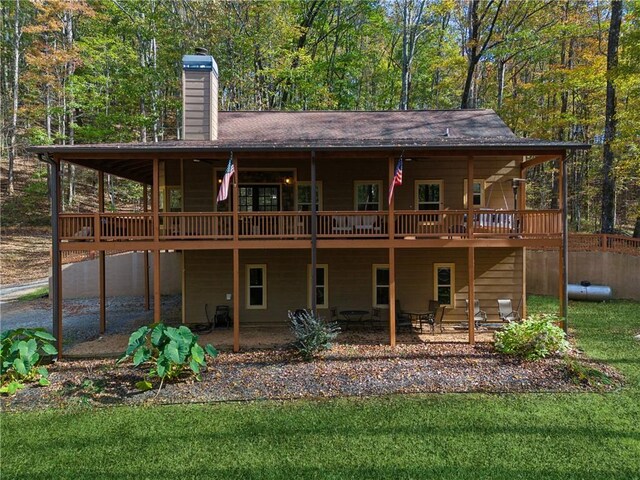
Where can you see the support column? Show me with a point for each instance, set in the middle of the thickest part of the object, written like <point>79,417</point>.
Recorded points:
<point>564,251</point>
<point>392,260</point>
<point>314,236</point>
<point>56,256</point>
<point>236,300</point>
<point>103,306</point>
<point>236,261</point>
<point>146,253</point>
<point>470,176</point>
<point>471,266</point>
<point>522,200</point>
<point>155,192</point>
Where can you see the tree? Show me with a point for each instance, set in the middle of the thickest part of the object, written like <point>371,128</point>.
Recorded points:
<point>610,125</point>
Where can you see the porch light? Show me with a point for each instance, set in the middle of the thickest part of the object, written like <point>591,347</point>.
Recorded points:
<point>515,183</point>
<point>288,180</point>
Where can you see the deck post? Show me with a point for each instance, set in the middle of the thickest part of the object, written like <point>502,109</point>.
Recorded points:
<point>236,261</point>
<point>472,294</point>
<point>103,307</point>
<point>564,252</point>
<point>522,200</point>
<point>392,260</point>
<point>470,176</point>
<point>314,236</point>
<point>155,192</point>
<point>146,252</point>
<point>56,254</point>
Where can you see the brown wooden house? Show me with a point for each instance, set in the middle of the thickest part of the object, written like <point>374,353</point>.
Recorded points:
<point>455,230</point>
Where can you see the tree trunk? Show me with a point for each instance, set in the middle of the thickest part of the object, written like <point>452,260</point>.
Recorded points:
<point>502,64</point>
<point>14,117</point>
<point>608,178</point>
<point>472,58</point>
<point>636,231</point>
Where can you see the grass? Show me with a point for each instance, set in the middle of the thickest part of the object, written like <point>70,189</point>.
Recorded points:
<point>41,292</point>
<point>473,436</point>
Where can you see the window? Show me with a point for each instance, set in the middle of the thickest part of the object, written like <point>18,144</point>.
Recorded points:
<point>381,286</point>
<point>478,193</point>
<point>444,283</point>
<point>322,286</point>
<point>429,195</point>
<point>259,198</point>
<point>256,286</point>
<point>367,196</point>
<point>304,196</point>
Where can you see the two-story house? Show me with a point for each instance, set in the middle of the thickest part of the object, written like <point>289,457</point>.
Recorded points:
<point>309,221</point>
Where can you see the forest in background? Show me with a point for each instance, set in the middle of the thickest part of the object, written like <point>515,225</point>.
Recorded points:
<point>87,71</point>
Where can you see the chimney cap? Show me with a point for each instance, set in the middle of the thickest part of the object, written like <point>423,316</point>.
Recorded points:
<point>202,63</point>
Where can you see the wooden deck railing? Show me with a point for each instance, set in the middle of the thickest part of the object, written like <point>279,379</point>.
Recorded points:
<point>297,225</point>
<point>106,226</point>
<point>486,223</point>
<point>283,225</point>
<point>585,242</point>
<point>197,225</point>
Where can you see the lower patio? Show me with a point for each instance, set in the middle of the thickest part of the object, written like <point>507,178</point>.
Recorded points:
<point>278,337</point>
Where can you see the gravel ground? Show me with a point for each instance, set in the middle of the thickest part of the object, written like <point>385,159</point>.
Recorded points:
<point>81,317</point>
<point>346,370</point>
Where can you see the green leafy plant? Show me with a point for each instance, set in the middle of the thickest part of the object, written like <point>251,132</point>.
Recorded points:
<point>171,351</point>
<point>21,353</point>
<point>312,333</point>
<point>536,337</point>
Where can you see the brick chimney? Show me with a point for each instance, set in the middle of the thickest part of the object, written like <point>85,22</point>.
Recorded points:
<point>199,96</point>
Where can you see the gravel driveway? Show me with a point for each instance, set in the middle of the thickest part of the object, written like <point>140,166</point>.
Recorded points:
<point>81,317</point>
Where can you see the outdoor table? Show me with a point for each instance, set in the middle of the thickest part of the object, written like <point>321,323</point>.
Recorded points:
<point>422,317</point>
<point>353,316</point>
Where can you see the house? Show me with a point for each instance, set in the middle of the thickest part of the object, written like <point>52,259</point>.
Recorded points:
<point>455,230</point>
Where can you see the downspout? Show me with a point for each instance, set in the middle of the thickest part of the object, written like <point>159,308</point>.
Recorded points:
<point>314,236</point>
<point>54,173</point>
<point>565,248</point>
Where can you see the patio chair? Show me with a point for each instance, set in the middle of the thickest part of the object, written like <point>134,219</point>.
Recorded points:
<point>438,319</point>
<point>479,316</point>
<point>375,319</point>
<point>506,312</point>
<point>403,320</point>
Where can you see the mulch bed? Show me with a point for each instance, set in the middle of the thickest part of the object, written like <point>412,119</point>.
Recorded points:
<point>346,370</point>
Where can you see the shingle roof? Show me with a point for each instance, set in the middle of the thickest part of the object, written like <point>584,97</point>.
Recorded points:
<point>327,130</point>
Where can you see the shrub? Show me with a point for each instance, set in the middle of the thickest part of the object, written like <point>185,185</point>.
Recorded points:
<point>312,333</point>
<point>21,352</point>
<point>534,338</point>
<point>171,351</point>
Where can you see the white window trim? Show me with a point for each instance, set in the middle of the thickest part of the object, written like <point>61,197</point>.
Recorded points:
<point>440,183</point>
<point>249,267</point>
<point>482,189</point>
<point>319,188</point>
<point>452,267</point>
<point>357,183</point>
<point>326,285</point>
<point>374,285</point>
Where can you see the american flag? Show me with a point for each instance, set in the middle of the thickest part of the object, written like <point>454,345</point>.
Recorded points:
<point>397,179</point>
<point>223,192</point>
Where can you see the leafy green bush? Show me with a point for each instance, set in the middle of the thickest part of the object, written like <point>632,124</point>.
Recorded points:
<point>535,337</point>
<point>172,352</point>
<point>312,333</point>
<point>21,352</point>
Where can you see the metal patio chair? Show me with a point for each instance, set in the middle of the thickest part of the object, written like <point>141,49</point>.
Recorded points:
<point>506,312</point>
<point>479,316</point>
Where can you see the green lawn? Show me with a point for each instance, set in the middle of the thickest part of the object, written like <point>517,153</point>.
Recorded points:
<point>536,436</point>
